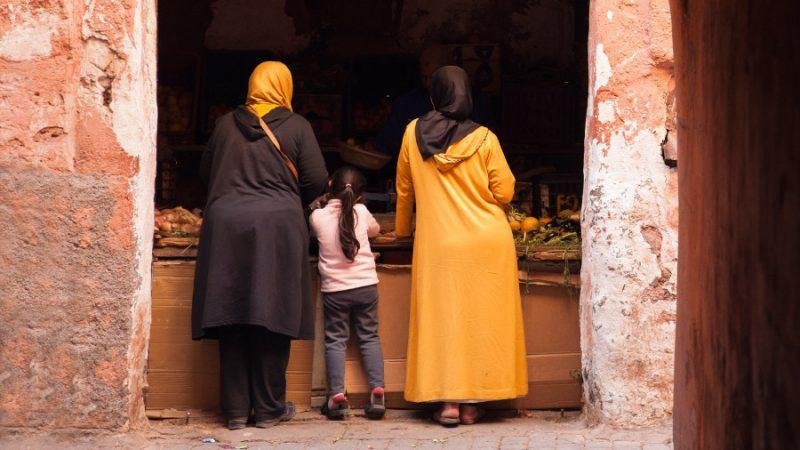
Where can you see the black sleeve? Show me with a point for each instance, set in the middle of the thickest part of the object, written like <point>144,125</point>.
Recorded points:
<point>207,160</point>
<point>310,165</point>
<point>205,163</point>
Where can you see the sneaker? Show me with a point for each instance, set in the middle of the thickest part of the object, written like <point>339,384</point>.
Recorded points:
<point>237,423</point>
<point>288,414</point>
<point>336,408</point>
<point>376,407</point>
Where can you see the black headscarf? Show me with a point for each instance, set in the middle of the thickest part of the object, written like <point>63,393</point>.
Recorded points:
<point>449,121</point>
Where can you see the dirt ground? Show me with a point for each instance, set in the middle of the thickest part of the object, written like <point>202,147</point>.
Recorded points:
<point>400,429</point>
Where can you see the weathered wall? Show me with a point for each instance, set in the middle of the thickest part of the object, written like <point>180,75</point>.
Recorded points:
<point>77,148</point>
<point>737,363</point>
<point>630,216</point>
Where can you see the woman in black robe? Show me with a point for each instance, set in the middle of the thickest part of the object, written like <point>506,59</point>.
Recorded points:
<point>252,286</point>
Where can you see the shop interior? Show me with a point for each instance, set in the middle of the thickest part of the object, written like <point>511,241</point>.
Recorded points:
<point>353,62</point>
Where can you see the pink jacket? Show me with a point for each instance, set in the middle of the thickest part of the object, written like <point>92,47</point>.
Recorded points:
<point>336,271</point>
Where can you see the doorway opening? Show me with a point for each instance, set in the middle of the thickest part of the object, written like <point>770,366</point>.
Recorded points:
<point>354,64</point>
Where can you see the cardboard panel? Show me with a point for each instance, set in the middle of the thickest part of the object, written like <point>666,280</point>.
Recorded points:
<point>551,319</point>
<point>540,396</point>
<point>184,374</point>
<point>394,376</point>
<point>552,336</point>
<point>184,357</point>
<point>171,317</point>
<point>182,390</point>
<point>560,368</point>
<point>393,310</point>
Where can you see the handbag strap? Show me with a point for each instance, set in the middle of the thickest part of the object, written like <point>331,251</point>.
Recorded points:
<point>277,145</point>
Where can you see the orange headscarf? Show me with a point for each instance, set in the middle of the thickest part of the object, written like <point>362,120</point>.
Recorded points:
<point>270,86</point>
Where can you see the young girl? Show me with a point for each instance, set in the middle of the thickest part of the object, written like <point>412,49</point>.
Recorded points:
<point>349,286</point>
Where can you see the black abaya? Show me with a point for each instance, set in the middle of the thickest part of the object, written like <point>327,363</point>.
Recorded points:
<point>252,263</point>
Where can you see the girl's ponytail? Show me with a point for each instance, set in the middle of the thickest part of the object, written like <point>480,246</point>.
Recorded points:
<point>347,185</point>
<point>347,225</point>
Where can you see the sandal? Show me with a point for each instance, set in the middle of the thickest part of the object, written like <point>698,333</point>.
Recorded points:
<point>447,421</point>
<point>479,413</point>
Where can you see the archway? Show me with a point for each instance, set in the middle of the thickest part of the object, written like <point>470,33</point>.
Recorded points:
<point>530,87</point>
<point>630,214</point>
<point>107,113</point>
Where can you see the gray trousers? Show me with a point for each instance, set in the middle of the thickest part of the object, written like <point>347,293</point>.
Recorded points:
<point>360,306</point>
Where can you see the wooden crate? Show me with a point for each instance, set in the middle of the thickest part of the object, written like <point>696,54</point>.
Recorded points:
<point>184,374</point>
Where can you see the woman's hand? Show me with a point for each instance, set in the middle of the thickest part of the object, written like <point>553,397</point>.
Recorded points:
<point>319,202</point>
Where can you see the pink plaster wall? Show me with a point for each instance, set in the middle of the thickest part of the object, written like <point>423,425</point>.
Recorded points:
<point>77,144</point>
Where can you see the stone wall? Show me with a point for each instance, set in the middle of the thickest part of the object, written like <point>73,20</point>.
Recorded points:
<point>77,152</point>
<point>630,216</point>
<point>738,316</point>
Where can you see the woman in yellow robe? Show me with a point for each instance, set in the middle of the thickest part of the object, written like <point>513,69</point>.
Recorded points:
<point>466,341</point>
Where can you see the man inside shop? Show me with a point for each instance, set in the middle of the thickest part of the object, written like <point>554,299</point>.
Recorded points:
<point>409,106</point>
<point>414,104</point>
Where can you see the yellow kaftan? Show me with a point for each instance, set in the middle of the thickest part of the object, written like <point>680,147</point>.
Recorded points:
<point>466,339</point>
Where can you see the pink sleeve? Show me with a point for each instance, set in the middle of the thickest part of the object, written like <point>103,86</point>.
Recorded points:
<point>312,221</point>
<point>373,227</point>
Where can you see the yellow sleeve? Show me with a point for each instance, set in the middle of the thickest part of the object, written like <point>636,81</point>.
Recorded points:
<point>405,189</point>
<point>501,180</point>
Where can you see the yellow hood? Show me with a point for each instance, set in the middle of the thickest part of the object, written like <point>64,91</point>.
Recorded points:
<point>461,150</point>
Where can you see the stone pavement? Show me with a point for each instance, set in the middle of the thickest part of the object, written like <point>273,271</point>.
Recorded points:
<point>400,430</point>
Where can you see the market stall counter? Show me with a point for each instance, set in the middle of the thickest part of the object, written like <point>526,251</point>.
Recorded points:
<point>183,375</point>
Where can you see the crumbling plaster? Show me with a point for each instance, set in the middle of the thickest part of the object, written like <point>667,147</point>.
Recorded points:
<point>77,152</point>
<point>630,217</point>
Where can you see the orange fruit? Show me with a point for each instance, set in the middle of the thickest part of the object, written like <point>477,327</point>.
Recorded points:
<point>545,220</point>
<point>530,224</point>
<point>515,225</point>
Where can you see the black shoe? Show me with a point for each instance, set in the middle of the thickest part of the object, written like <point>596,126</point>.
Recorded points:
<point>376,408</point>
<point>336,408</point>
<point>288,414</point>
<point>237,423</point>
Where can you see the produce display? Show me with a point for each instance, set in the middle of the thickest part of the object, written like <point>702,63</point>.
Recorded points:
<point>214,113</point>
<point>362,157</point>
<point>174,109</point>
<point>561,231</point>
<point>369,117</point>
<point>177,227</point>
